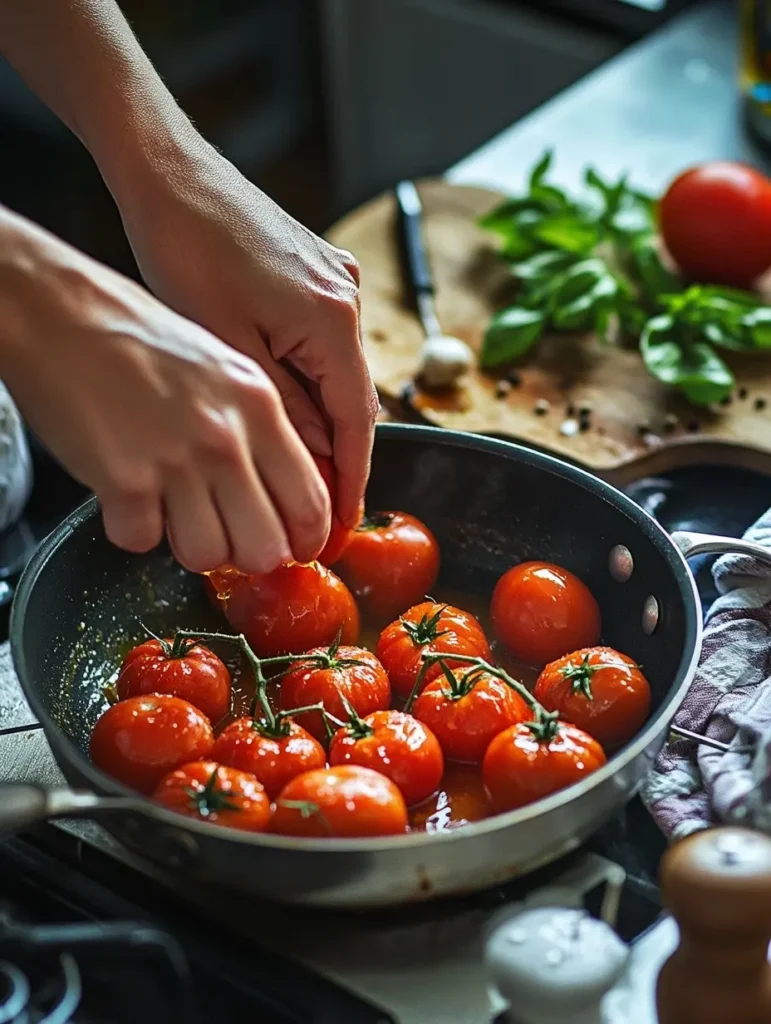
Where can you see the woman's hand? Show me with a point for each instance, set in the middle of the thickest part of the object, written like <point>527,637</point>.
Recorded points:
<point>166,423</point>
<point>222,253</point>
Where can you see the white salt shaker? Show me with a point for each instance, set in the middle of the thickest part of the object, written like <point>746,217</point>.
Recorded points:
<point>554,965</point>
<point>15,462</point>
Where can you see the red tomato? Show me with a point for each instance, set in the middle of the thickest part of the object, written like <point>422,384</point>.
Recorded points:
<point>339,535</point>
<point>427,628</point>
<point>520,768</point>
<point>196,674</point>
<point>600,691</point>
<point>467,716</point>
<point>289,610</point>
<point>716,222</point>
<point>541,612</point>
<point>273,759</point>
<point>346,801</point>
<point>217,794</point>
<point>141,739</point>
<point>396,745</point>
<point>349,672</point>
<point>461,798</point>
<point>391,562</point>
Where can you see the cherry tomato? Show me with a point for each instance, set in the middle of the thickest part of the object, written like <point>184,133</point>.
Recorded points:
<point>396,745</point>
<point>141,739</point>
<point>461,798</point>
<point>521,767</point>
<point>466,716</point>
<point>716,223</point>
<point>349,672</point>
<point>192,672</point>
<point>289,610</point>
<point>540,612</point>
<point>427,628</point>
<point>339,535</point>
<point>600,691</point>
<point>391,562</point>
<point>344,801</point>
<point>274,757</point>
<point>215,793</point>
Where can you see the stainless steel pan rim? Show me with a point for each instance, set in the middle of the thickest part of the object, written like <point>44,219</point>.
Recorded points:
<point>648,735</point>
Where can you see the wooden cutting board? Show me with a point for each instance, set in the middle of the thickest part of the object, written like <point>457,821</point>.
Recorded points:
<point>636,425</point>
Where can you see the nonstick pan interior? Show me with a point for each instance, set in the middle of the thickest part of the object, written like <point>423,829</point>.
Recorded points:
<point>491,505</point>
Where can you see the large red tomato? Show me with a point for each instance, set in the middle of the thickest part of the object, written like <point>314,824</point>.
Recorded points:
<point>427,628</point>
<point>391,562</point>
<point>335,673</point>
<point>466,715</point>
<point>217,794</point>
<point>273,756</point>
<point>599,690</point>
<point>396,745</point>
<point>521,767</point>
<point>716,223</point>
<point>141,739</point>
<point>290,610</point>
<point>541,611</point>
<point>192,672</point>
<point>347,800</point>
<point>339,535</point>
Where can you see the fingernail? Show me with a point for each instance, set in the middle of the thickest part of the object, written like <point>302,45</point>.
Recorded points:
<point>317,439</point>
<point>352,519</point>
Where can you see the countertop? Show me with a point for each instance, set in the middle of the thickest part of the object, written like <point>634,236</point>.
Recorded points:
<point>665,103</point>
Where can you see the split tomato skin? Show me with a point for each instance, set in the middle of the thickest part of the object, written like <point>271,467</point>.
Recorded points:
<point>396,745</point>
<point>217,794</point>
<point>353,673</point>
<point>428,628</point>
<point>290,610</point>
<point>346,801</point>
<point>541,611</point>
<point>391,563</point>
<point>196,675</point>
<point>599,690</point>
<point>274,760</point>
<point>465,725</point>
<point>519,768</point>
<point>139,740</point>
<point>715,220</point>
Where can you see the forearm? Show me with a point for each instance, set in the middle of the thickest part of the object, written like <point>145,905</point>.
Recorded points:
<point>83,60</point>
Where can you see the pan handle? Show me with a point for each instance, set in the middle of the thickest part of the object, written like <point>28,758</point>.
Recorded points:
<point>23,804</point>
<point>691,544</point>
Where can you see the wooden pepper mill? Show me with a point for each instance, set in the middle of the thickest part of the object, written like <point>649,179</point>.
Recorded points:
<point>717,884</point>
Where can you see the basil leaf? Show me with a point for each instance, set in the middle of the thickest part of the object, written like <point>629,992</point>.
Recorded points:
<point>758,323</point>
<point>543,264</point>
<point>510,333</point>
<point>579,279</point>
<point>656,278</point>
<point>694,368</point>
<point>541,169</point>
<point>567,231</point>
<point>581,313</point>
<point>725,336</point>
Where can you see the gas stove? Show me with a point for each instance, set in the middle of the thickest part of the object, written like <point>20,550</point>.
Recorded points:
<point>89,935</point>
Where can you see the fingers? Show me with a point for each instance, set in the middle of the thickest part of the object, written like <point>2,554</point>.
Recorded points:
<point>305,415</point>
<point>194,527</point>
<point>258,540</point>
<point>291,478</point>
<point>133,517</point>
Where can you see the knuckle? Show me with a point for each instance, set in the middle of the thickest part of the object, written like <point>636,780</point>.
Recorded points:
<point>217,441</point>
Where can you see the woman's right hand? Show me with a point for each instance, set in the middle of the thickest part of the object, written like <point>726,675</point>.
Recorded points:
<point>168,425</point>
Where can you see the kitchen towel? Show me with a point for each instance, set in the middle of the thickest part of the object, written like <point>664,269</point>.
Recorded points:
<point>692,786</point>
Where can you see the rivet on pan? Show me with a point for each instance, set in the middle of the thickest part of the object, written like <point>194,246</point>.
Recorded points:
<point>621,563</point>
<point>650,615</point>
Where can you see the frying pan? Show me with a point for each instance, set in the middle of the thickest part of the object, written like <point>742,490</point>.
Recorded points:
<point>491,504</point>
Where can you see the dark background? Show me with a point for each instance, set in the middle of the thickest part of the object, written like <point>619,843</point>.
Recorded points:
<point>322,103</point>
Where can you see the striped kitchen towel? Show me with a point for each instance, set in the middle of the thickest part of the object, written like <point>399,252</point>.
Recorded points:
<point>692,787</point>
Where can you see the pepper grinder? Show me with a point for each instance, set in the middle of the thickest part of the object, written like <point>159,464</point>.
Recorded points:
<point>717,884</point>
<point>554,965</point>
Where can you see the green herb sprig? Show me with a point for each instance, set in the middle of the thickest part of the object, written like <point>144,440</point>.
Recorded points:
<point>594,265</point>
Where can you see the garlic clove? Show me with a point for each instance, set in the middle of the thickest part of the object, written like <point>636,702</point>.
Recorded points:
<point>443,359</point>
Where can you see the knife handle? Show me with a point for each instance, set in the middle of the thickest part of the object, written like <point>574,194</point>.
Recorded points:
<point>411,220</point>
